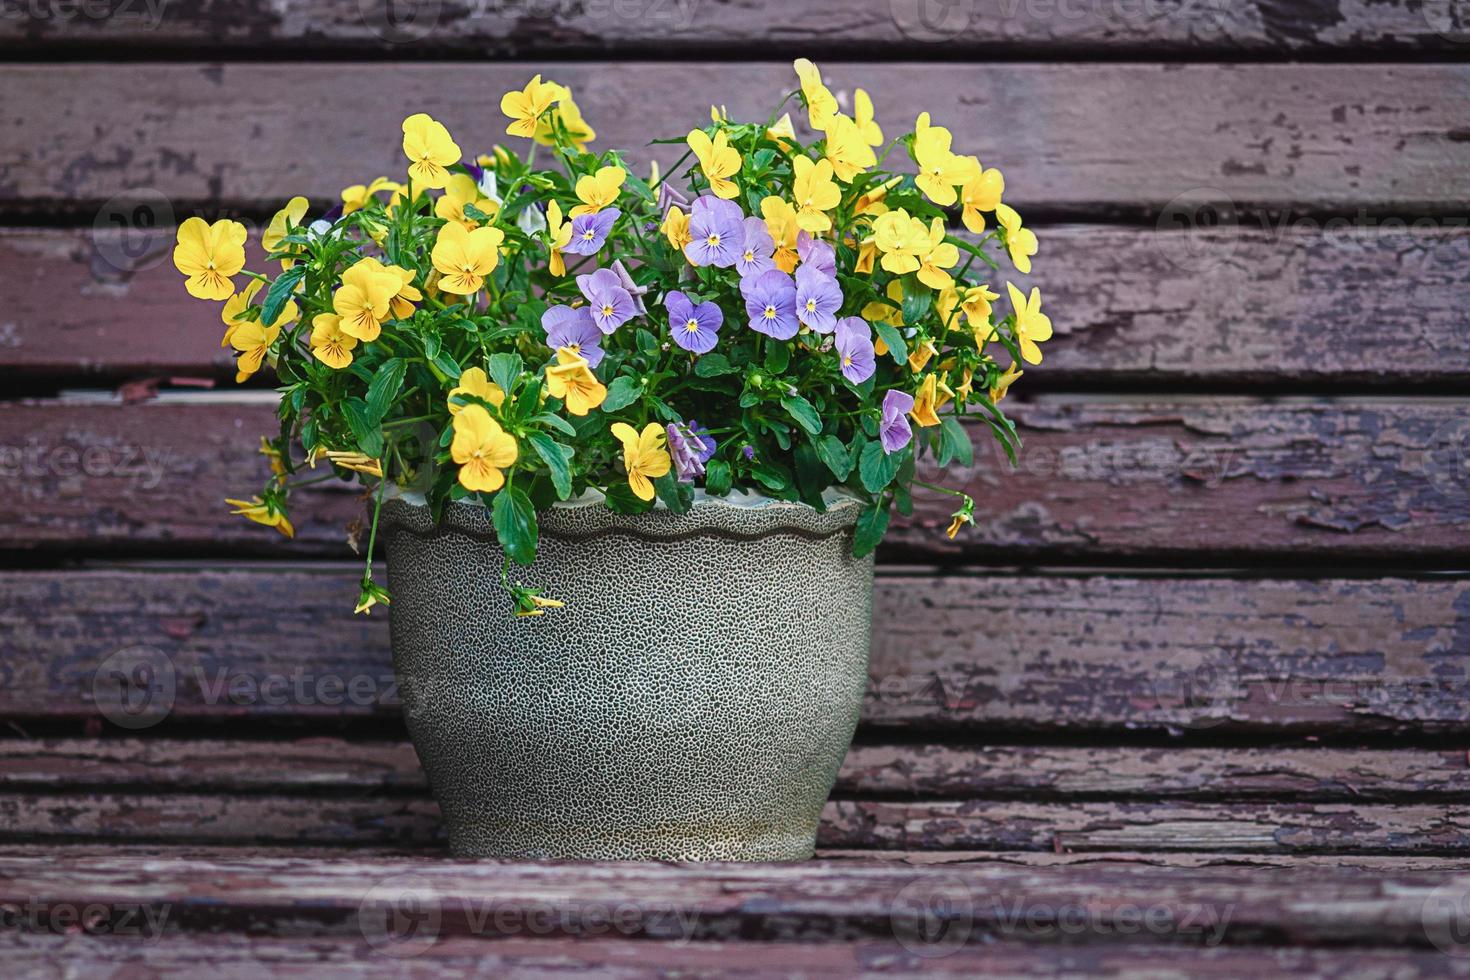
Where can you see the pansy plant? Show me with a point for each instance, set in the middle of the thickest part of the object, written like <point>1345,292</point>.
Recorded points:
<point>778,314</point>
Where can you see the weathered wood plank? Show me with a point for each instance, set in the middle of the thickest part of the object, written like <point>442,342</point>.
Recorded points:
<point>245,956</point>
<point>1009,27</point>
<point>1102,138</point>
<point>823,899</point>
<point>1032,653</point>
<point>1028,771</point>
<point>1182,477</point>
<point>1256,303</point>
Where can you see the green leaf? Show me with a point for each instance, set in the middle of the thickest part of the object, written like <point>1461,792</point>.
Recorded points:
<point>832,452</point>
<point>505,370</point>
<point>890,336</point>
<point>917,302</point>
<point>448,365</point>
<point>558,461</point>
<point>713,365</point>
<point>717,478</point>
<point>646,341</point>
<point>555,422</point>
<point>806,416</point>
<point>876,468</point>
<point>622,500</point>
<point>475,214</point>
<point>772,476</point>
<point>871,527</point>
<point>778,358</point>
<point>515,524</point>
<point>280,293</point>
<point>364,429</point>
<point>956,441</point>
<point>811,476</point>
<point>677,497</point>
<point>385,386</point>
<point>623,392</point>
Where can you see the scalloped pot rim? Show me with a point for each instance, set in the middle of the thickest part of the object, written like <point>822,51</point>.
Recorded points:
<point>737,514</point>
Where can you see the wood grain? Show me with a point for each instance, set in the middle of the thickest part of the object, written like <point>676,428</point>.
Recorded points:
<point>1097,139</point>
<point>1256,303</point>
<point>1039,653</point>
<point>333,765</point>
<point>809,27</point>
<point>1181,478</point>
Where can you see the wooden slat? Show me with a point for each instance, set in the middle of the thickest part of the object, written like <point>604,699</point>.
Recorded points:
<point>1101,476</point>
<point>1251,304</point>
<point>463,27</point>
<point>1033,772</point>
<point>247,956</point>
<point>1032,653</point>
<point>826,899</point>
<point>1103,138</point>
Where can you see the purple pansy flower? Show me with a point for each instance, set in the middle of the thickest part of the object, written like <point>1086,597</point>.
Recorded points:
<point>756,249</point>
<point>715,232</point>
<point>818,297</point>
<point>589,231</point>
<point>612,305</point>
<point>816,253</point>
<point>690,447</point>
<point>634,290</point>
<point>855,348</point>
<point>568,327</point>
<point>770,299</point>
<point>694,328</point>
<point>893,430</point>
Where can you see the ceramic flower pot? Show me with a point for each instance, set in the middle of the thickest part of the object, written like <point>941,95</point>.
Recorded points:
<point>692,701</point>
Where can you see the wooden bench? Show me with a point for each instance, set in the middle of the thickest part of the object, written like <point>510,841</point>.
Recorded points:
<point>1191,699</point>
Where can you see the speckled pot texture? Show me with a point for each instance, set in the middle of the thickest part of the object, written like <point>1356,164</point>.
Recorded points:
<point>693,701</point>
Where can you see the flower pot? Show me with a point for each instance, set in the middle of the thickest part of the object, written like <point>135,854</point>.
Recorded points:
<point>692,701</point>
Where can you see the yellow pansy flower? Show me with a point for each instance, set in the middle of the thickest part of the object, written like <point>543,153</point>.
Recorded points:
<point>459,191</point>
<point>329,344</point>
<point>568,116</point>
<point>932,395</point>
<point>253,341</point>
<point>429,149</point>
<point>1020,242</point>
<point>282,223</point>
<point>241,301</point>
<point>966,387</point>
<point>571,380</point>
<point>600,190</point>
<point>862,114</point>
<point>365,298</point>
<point>781,222</point>
<point>920,354</point>
<point>974,302</point>
<point>482,449</point>
<point>675,228</point>
<point>867,254</point>
<point>644,456</point>
<point>559,236</point>
<point>1032,326</point>
<point>717,159</point>
<point>782,131</point>
<point>271,453</point>
<point>814,194</point>
<point>524,108</point>
<point>939,169</point>
<point>359,196</point>
<point>901,238</point>
<point>847,150</point>
<point>408,293</point>
<point>889,313</point>
<point>821,104</point>
<point>465,258</point>
<point>261,512</point>
<point>474,381</point>
<point>981,193</point>
<point>209,255</point>
<point>1003,383</point>
<point>937,257</point>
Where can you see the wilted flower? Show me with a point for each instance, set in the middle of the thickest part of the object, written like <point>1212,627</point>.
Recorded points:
<point>690,447</point>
